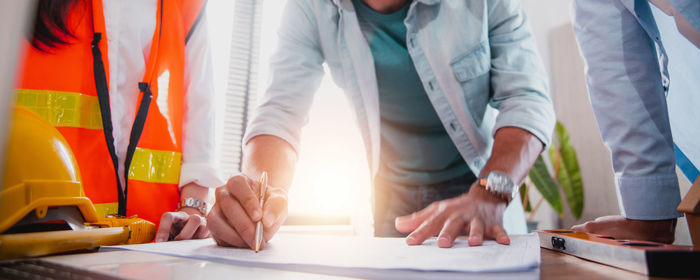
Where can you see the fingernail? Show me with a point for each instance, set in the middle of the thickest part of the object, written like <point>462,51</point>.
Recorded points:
<point>504,240</point>
<point>410,240</point>
<point>268,220</point>
<point>443,242</point>
<point>256,215</point>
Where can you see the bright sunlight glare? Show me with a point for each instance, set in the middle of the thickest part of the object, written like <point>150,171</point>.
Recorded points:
<point>332,176</point>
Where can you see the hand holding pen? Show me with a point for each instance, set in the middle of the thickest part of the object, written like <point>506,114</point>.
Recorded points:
<point>234,218</point>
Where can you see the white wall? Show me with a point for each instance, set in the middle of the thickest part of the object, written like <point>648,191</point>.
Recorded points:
<point>545,15</point>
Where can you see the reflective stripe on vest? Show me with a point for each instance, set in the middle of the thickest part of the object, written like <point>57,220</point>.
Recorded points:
<point>155,166</point>
<point>104,209</point>
<point>62,108</point>
<point>70,109</point>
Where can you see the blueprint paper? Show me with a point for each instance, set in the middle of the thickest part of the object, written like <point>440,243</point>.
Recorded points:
<point>289,251</point>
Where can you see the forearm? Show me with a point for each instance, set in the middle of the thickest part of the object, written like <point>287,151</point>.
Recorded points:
<point>514,151</point>
<point>273,155</point>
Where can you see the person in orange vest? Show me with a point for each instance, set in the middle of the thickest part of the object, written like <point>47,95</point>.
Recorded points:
<point>128,84</point>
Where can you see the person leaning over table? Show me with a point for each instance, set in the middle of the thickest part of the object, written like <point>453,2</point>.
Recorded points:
<point>447,88</point>
<point>128,84</point>
<point>631,49</point>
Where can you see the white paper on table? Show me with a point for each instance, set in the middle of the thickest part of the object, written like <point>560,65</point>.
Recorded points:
<point>293,250</point>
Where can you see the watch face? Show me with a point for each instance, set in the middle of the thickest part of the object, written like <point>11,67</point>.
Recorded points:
<point>500,182</point>
<point>194,203</point>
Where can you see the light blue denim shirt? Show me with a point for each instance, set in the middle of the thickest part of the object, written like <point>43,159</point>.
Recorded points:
<point>628,76</point>
<point>476,60</point>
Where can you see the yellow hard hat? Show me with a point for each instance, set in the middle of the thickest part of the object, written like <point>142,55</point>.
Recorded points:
<point>40,172</point>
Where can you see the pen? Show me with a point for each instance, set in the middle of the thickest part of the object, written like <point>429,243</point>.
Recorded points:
<point>259,225</point>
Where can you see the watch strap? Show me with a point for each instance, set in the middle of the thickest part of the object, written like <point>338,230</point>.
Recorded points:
<point>192,202</point>
<point>499,184</point>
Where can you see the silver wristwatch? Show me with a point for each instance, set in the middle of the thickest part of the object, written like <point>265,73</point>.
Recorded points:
<point>500,184</point>
<point>193,203</point>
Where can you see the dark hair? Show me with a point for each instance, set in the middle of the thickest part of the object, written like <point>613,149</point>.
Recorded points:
<point>50,27</point>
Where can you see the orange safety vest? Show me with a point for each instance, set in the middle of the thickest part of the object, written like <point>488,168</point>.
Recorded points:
<point>69,88</point>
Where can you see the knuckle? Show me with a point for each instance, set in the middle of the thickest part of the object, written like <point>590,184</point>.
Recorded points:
<point>441,207</point>
<point>250,203</point>
<point>195,220</point>
<point>166,216</point>
<point>433,206</point>
<point>237,181</point>
<point>196,217</point>
<point>220,193</point>
<point>415,215</point>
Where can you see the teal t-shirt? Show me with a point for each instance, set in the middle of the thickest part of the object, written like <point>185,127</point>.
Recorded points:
<point>415,148</point>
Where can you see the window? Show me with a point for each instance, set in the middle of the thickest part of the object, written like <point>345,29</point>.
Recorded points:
<point>331,184</point>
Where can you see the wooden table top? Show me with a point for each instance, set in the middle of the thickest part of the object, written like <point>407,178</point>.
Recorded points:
<point>556,265</point>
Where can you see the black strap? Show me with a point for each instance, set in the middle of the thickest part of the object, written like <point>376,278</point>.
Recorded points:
<point>106,112</point>
<point>196,22</point>
<point>137,129</point>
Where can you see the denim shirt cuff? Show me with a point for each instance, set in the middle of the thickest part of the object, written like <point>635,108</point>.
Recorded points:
<point>542,128</point>
<point>650,197</point>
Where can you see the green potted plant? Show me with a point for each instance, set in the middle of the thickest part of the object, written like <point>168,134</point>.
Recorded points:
<point>565,175</point>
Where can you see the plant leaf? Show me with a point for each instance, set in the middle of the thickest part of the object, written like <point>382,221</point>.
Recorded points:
<point>523,192</point>
<point>569,175</point>
<point>540,177</point>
